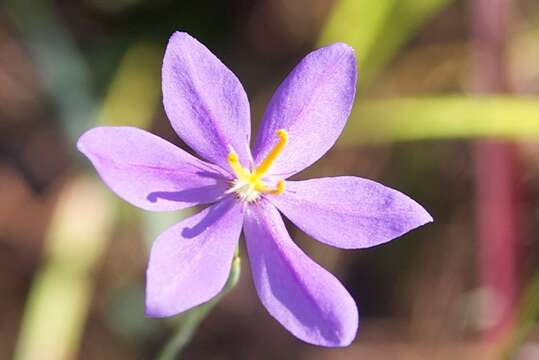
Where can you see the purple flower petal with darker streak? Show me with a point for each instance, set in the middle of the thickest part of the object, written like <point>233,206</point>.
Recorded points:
<point>208,108</point>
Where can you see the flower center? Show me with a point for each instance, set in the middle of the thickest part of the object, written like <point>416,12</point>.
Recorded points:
<point>249,185</point>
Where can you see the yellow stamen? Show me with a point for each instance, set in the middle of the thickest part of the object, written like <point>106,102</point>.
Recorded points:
<point>273,155</point>
<point>235,165</point>
<point>278,190</point>
<point>249,185</point>
<point>280,187</point>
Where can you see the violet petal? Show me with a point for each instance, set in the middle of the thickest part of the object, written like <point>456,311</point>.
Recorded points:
<point>349,212</point>
<point>205,102</point>
<point>150,172</point>
<point>190,262</point>
<point>312,104</point>
<point>306,299</point>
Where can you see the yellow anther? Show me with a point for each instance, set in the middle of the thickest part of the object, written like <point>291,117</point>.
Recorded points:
<point>273,154</point>
<point>279,189</point>
<point>235,165</point>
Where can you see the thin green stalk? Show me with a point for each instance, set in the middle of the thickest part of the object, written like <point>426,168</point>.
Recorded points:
<point>444,117</point>
<point>193,318</point>
<point>59,298</point>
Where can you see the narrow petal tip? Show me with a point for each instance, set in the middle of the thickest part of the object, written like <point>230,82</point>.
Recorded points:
<point>152,311</point>
<point>156,307</point>
<point>81,142</point>
<point>420,216</point>
<point>342,47</point>
<point>348,332</point>
<point>427,218</point>
<point>180,36</point>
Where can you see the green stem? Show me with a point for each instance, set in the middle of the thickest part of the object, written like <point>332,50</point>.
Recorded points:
<point>193,318</point>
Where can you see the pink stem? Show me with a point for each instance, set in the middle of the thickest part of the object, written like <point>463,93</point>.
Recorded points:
<point>497,208</point>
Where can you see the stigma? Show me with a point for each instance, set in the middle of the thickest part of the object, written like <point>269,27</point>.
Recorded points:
<point>250,185</point>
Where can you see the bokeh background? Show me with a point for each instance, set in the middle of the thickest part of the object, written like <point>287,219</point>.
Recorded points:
<point>447,112</point>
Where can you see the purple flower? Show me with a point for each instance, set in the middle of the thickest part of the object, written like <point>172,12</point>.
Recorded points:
<point>209,110</point>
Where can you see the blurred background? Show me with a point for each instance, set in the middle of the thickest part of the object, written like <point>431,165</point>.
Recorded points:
<point>446,111</point>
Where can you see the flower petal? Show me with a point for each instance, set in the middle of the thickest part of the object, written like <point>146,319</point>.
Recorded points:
<point>306,299</point>
<point>150,172</point>
<point>190,262</point>
<point>204,101</point>
<point>349,212</point>
<point>312,104</point>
